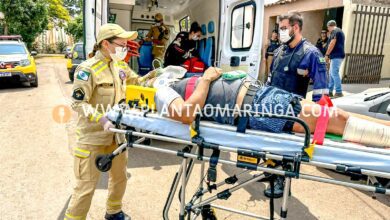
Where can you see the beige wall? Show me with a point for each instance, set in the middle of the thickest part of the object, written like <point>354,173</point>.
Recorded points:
<point>122,18</point>
<point>312,25</point>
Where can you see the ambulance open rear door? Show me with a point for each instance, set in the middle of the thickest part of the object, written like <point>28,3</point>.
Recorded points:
<point>95,14</point>
<point>241,30</point>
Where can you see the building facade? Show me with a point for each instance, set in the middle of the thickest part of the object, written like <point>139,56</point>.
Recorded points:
<point>366,25</point>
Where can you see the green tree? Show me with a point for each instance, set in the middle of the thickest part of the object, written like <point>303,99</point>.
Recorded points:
<point>58,14</point>
<point>28,18</point>
<point>75,28</point>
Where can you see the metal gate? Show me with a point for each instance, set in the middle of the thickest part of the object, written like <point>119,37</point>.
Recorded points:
<point>364,63</point>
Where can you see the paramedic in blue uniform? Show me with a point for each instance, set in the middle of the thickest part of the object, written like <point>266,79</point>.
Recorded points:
<point>294,64</point>
<point>297,61</point>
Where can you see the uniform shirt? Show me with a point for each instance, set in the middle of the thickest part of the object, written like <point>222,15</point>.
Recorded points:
<point>315,64</point>
<point>322,45</point>
<point>180,50</point>
<point>338,50</point>
<point>99,84</point>
<point>273,45</point>
<point>159,35</point>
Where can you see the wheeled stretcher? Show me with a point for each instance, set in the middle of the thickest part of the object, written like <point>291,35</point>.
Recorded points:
<point>269,153</point>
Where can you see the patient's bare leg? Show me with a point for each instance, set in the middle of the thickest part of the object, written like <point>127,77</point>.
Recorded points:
<point>337,120</point>
<point>353,127</point>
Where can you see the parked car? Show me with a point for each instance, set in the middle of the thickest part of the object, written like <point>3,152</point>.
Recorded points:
<point>372,102</point>
<point>75,58</point>
<point>16,62</point>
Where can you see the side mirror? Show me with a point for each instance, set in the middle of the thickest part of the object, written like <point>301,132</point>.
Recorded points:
<point>75,55</point>
<point>34,53</point>
<point>388,110</point>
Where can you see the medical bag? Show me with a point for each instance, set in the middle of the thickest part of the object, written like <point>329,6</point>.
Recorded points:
<point>194,65</point>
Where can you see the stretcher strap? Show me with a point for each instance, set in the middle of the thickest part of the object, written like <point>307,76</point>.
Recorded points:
<point>322,121</point>
<point>248,99</point>
<point>212,171</point>
<point>190,87</point>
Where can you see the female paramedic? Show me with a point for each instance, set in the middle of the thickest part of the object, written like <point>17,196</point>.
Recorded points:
<point>99,83</point>
<point>183,47</point>
<point>212,90</point>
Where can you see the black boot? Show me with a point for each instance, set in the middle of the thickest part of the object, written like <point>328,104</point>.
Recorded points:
<point>278,189</point>
<point>117,216</point>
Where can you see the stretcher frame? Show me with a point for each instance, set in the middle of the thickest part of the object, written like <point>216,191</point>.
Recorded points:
<point>194,150</point>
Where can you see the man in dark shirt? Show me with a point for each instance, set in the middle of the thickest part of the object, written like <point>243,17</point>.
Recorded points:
<point>335,53</point>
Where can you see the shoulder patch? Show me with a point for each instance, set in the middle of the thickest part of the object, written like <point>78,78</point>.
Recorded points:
<point>78,94</point>
<point>83,75</point>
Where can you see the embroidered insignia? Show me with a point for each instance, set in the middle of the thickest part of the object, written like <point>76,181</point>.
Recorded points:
<point>78,94</point>
<point>83,75</point>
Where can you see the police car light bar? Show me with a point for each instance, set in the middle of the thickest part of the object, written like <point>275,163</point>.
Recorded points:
<point>11,37</point>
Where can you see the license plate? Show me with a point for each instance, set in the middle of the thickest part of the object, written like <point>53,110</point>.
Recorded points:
<point>5,74</point>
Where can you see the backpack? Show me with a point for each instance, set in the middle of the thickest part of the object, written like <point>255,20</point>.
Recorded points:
<point>194,65</point>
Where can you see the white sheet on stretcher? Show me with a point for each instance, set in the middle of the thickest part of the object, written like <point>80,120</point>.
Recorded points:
<point>282,144</point>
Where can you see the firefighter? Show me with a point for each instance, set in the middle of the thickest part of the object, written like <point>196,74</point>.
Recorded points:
<point>99,83</point>
<point>159,35</point>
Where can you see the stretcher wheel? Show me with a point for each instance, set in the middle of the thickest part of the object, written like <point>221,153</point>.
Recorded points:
<point>103,163</point>
<point>208,213</point>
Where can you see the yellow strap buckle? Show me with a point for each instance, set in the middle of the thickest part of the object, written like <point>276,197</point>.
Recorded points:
<point>270,163</point>
<point>193,132</point>
<point>310,150</point>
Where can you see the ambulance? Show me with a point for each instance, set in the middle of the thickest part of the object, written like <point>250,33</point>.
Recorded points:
<point>231,29</point>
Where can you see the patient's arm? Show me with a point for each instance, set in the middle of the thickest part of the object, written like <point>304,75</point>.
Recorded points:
<point>185,111</point>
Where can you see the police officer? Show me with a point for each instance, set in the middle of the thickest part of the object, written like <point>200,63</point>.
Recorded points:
<point>159,35</point>
<point>297,61</point>
<point>273,44</point>
<point>294,64</point>
<point>100,82</point>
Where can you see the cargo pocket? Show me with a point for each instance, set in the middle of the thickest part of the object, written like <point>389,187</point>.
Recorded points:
<point>81,163</point>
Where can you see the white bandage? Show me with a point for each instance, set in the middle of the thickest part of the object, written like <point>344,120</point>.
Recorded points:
<point>366,132</point>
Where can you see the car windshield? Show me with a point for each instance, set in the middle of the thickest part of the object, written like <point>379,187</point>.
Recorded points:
<point>9,49</point>
<point>80,50</point>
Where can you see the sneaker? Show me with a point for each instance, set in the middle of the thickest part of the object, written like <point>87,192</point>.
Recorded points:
<point>117,216</point>
<point>330,94</point>
<point>338,95</point>
<point>278,189</point>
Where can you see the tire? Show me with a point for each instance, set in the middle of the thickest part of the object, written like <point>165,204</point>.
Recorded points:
<point>35,82</point>
<point>71,74</point>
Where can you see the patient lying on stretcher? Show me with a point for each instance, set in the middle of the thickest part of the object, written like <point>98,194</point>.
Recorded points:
<point>178,102</point>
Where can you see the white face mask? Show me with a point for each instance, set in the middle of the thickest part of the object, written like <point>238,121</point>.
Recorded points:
<point>120,54</point>
<point>284,35</point>
<point>195,37</point>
